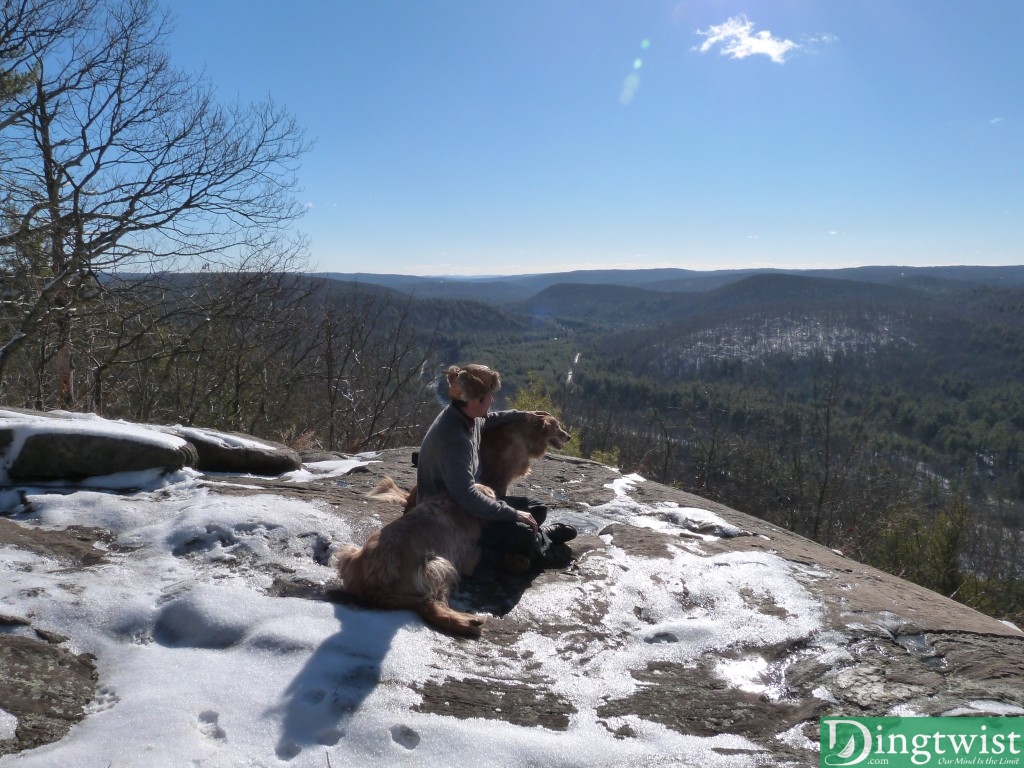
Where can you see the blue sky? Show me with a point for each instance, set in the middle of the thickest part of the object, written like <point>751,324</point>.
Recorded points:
<point>507,137</point>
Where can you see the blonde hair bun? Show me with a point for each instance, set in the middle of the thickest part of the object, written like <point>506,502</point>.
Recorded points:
<point>471,382</point>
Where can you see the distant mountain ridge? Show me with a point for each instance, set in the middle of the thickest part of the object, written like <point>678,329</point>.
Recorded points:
<point>516,288</point>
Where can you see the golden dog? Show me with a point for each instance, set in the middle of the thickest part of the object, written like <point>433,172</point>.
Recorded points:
<point>507,449</point>
<point>413,562</point>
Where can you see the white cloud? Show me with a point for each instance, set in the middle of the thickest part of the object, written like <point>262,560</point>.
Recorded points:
<point>738,40</point>
<point>823,39</point>
<point>811,43</point>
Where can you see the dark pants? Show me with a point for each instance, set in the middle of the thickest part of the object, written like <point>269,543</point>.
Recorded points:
<point>511,536</point>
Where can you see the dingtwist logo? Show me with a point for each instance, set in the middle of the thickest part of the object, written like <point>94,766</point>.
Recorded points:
<point>911,742</point>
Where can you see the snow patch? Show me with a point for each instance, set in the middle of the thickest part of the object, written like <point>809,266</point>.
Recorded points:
<point>222,439</point>
<point>8,725</point>
<point>981,708</point>
<point>318,470</point>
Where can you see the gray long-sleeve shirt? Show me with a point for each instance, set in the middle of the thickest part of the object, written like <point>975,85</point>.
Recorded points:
<point>449,462</point>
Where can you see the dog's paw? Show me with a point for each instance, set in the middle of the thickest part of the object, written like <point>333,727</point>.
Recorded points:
<point>475,626</point>
<point>469,627</point>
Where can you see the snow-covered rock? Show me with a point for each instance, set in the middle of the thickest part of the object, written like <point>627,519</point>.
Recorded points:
<point>238,453</point>
<point>63,446</point>
<point>46,448</point>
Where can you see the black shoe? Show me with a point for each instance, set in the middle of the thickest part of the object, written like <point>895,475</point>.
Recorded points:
<point>559,533</point>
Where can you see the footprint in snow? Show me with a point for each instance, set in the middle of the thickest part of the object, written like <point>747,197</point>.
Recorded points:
<point>106,698</point>
<point>210,727</point>
<point>406,736</point>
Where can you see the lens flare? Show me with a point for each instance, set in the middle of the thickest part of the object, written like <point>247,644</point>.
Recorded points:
<point>629,88</point>
<point>631,84</point>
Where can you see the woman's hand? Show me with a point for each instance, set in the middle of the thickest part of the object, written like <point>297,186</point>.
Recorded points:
<point>526,517</point>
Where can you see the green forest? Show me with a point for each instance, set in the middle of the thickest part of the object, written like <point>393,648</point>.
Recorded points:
<point>886,421</point>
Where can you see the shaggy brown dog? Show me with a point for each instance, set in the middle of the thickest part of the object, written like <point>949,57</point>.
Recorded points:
<point>413,562</point>
<point>505,455</point>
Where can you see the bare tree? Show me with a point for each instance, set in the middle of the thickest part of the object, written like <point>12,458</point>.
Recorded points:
<point>114,162</point>
<point>370,370</point>
<point>28,30</point>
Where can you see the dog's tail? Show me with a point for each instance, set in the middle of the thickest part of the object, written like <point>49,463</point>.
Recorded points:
<point>434,579</point>
<point>388,490</point>
<point>447,619</point>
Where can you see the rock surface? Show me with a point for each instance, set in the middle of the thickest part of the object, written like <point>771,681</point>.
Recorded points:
<point>883,645</point>
<point>45,686</point>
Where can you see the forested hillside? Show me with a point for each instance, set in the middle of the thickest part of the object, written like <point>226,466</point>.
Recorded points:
<point>886,419</point>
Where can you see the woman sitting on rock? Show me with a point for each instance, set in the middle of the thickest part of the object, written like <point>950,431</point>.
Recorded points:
<point>449,462</point>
